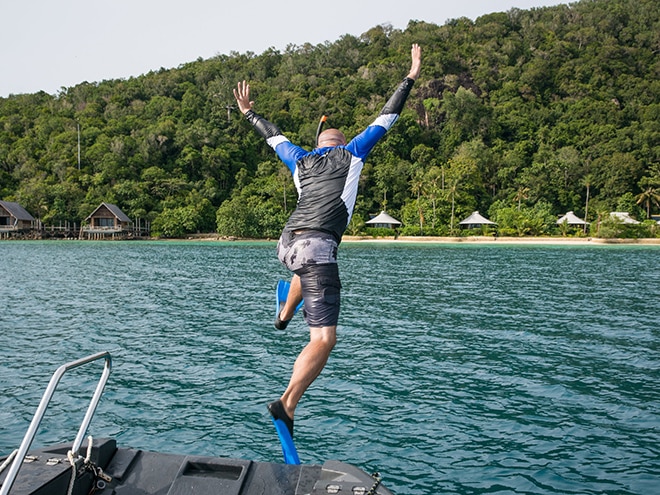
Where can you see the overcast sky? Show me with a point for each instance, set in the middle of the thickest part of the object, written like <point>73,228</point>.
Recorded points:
<point>50,44</point>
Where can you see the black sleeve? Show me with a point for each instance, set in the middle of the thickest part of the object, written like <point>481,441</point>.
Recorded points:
<point>263,127</point>
<point>398,99</point>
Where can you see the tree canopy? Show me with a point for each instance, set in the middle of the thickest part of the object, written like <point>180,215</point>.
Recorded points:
<point>547,110</point>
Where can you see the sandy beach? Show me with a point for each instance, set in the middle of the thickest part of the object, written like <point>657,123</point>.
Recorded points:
<point>503,240</point>
<point>450,240</point>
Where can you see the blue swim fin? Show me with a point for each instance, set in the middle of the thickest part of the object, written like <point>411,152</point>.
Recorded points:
<point>280,297</point>
<point>288,448</point>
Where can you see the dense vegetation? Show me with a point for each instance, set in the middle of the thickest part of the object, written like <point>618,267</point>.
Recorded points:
<point>522,115</point>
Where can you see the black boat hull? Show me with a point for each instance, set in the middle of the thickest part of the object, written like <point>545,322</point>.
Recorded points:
<point>120,471</point>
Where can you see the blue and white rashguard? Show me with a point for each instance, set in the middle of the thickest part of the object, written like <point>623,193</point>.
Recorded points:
<point>327,178</point>
<point>327,184</point>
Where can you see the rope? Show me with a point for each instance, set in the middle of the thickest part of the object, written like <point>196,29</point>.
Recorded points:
<point>8,460</point>
<point>99,475</point>
<point>377,479</point>
<point>86,461</point>
<point>72,461</point>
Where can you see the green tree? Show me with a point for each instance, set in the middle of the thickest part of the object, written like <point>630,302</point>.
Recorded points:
<point>628,203</point>
<point>649,196</point>
<point>536,220</point>
<point>434,186</point>
<point>562,101</point>
<point>650,186</point>
<point>466,115</point>
<point>417,186</point>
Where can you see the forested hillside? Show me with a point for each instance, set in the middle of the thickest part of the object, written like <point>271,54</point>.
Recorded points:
<point>522,115</point>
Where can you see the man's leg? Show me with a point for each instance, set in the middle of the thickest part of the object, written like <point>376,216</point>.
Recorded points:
<point>320,287</point>
<point>292,299</point>
<point>308,365</point>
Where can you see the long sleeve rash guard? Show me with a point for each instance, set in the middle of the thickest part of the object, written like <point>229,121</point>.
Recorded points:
<point>327,178</point>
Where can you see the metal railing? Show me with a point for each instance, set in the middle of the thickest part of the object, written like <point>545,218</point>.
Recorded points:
<point>43,405</point>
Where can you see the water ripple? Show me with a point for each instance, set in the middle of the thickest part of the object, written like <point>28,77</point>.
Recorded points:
<point>459,369</point>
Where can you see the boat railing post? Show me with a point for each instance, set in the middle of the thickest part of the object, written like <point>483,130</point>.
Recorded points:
<point>43,405</point>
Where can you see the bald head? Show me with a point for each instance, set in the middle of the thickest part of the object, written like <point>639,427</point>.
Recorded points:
<point>331,137</point>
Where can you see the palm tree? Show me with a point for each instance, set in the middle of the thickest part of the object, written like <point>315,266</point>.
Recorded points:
<point>453,187</point>
<point>522,193</point>
<point>417,186</point>
<point>587,183</point>
<point>651,195</point>
<point>433,175</point>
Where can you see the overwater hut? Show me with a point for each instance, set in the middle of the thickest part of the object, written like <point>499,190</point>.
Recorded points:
<point>476,220</point>
<point>623,217</point>
<point>572,219</point>
<point>107,219</point>
<point>383,220</point>
<point>13,217</point>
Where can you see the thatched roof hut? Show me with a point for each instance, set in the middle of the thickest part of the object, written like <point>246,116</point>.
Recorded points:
<point>475,220</point>
<point>572,219</point>
<point>623,217</point>
<point>383,220</point>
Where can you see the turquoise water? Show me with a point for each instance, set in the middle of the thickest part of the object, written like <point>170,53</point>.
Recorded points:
<point>460,369</point>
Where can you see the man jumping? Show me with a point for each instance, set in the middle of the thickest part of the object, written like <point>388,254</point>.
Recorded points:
<point>326,179</point>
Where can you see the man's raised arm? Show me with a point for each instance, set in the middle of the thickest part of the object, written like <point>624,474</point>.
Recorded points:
<point>288,152</point>
<point>267,129</point>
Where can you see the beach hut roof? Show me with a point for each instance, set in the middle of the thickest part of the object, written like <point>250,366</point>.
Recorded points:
<point>383,218</point>
<point>476,219</point>
<point>571,219</point>
<point>17,211</point>
<point>623,216</point>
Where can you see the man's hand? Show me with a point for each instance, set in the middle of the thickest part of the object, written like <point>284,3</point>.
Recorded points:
<point>242,95</point>
<point>416,66</point>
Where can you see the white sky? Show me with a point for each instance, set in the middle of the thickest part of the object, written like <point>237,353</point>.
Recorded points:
<point>50,44</point>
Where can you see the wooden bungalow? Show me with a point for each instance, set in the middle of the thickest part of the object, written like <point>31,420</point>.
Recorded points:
<point>13,217</point>
<point>107,220</point>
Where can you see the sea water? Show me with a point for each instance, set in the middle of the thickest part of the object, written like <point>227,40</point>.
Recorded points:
<point>462,369</point>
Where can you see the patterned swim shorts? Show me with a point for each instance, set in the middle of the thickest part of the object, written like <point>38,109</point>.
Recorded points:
<point>313,256</point>
<point>307,248</point>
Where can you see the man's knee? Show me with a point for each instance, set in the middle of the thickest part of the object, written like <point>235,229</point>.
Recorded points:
<point>330,338</point>
<point>325,337</point>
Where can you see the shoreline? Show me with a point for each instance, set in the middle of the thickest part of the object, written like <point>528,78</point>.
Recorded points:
<point>505,240</point>
<point>566,241</point>
<point>452,240</point>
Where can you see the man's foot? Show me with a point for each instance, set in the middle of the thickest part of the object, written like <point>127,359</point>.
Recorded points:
<point>281,324</point>
<point>276,410</point>
<point>280,300</point>
<point>281,294</point>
